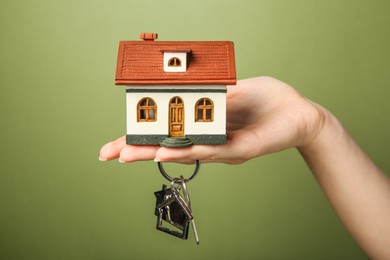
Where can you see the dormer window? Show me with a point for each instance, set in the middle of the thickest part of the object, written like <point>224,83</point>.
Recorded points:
<point>175,60</point>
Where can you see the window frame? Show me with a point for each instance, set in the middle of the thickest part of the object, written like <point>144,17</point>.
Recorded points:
<point>176,62</point>
<point>147,108</point>
<point>201,105</point>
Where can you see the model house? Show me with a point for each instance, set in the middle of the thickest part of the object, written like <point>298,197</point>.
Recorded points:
<point>175,90</point>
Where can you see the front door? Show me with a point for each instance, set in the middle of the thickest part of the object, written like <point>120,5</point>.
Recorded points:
<point>176,117</point>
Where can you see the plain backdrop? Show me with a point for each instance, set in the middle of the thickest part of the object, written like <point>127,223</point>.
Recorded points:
<point>59,105</point>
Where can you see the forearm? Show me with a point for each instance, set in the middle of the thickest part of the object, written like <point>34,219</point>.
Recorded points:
<point>357,189</point>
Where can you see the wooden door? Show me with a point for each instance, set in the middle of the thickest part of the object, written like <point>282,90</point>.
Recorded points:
<point>176,117</point>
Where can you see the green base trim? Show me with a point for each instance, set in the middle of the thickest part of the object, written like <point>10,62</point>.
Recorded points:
<point>157,139</point>
<point>207,139</point>
<point>145,139</point>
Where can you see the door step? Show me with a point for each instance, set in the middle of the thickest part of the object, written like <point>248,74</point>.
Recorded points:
<point>176,142</point>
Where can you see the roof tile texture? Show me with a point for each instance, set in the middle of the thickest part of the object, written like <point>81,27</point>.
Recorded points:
<point>141,62</point>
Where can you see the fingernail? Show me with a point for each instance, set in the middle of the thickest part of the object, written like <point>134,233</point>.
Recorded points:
<point>102,159</point>
<point>157,160</point>
<point>119,160</point>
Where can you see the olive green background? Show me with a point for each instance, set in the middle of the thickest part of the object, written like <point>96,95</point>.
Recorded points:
<point>59,105</point>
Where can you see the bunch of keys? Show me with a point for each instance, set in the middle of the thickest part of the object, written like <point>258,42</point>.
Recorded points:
<point>173,206</point>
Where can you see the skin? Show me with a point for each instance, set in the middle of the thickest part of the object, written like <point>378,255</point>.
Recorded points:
<point>265,115</point>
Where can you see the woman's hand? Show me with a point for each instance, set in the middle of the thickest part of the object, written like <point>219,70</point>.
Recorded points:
<point>264,115</point>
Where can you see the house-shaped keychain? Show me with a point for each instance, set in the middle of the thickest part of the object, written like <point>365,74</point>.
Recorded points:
<point>172,209</point>
<point>175,90</point>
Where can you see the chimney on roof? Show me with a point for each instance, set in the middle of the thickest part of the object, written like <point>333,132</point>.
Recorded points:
<point>148,36</point>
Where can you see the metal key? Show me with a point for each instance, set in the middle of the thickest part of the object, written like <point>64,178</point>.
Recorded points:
<point>187,196</point>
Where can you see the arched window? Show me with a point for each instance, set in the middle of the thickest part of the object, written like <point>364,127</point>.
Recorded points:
<point>204,110</point>
<point>174,62</point>
<point>146,110</point>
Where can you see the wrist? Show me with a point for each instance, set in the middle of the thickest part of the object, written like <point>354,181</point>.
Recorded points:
<point>326,133</point>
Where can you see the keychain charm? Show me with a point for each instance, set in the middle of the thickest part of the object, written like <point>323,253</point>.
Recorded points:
<point>173,206</point>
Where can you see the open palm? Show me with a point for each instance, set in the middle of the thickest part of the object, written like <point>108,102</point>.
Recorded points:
<point>264,115</point>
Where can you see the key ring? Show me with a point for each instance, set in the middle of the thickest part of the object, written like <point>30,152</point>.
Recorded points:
<point>170,179</point>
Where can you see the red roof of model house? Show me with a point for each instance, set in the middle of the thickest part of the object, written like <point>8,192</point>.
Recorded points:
<point>208,62</point>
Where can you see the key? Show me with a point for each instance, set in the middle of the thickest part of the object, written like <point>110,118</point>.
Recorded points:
<point>187,196</point>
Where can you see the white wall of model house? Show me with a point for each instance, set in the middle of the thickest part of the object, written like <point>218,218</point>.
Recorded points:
<point>162,99</point>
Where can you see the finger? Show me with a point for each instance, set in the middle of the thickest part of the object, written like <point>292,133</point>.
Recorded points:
<point>132,153</point>
<point>183,161</point>
<point>204,153</point>
<point>233,152</point>
<point>112,150</point>
<point>183,154</point>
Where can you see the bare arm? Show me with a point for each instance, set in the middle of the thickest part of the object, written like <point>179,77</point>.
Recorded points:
<point>265,115</point>
<point>357,189</point>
